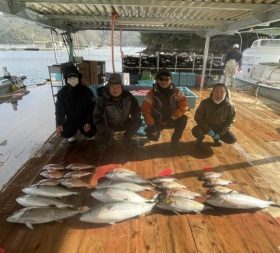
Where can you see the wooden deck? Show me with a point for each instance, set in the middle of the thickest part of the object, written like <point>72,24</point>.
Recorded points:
<point>253,162</point>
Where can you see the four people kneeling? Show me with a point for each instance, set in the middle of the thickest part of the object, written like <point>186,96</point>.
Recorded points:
<point>116,111</point>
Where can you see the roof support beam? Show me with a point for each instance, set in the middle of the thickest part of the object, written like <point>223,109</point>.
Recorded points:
<point>258,19</point>
<point>162,4</point>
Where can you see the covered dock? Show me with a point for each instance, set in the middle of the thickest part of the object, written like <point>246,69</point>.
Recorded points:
<point>252,163</point>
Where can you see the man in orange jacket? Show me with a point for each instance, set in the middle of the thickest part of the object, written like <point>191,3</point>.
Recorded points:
<point>164,107</point>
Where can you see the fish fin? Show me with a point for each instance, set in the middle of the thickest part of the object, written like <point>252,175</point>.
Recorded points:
<point>275,205</point>
<point>154,199</point>
<point>201,178</point>
<point>29,225</point>
<point>177,213</point>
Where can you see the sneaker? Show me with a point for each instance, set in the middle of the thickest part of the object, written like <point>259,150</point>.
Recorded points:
<point>72,139</point>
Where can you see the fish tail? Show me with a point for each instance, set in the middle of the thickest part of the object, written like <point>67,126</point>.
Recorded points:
<point>275,205</point>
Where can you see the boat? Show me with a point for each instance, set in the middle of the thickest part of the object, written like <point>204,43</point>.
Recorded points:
<point>260,69</point>
<point>9,84</point>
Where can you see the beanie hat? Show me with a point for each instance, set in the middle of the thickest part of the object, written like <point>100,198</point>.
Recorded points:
<point>71,70</point>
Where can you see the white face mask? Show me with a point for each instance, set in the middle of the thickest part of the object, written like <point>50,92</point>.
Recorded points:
<point>73,81</point>
<point>219,101</point>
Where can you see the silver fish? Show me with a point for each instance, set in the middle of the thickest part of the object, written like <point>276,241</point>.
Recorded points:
<point>115,212</point>
<point>237,201</point>
<point>38,215</point>
<point>52,174</point>
<point>220,189</point>
<point>126,177</point>
<point>124,171</point>
<point>183,193</point>
<point>217,182</point>
<point>124,185</point>
<point>39,201</point>
<point>53,166</point>
<point>108,195</point>
<point>178,204</point>
<point>74,183</point>
<point>172,185</point>
<point>48,191</point>
<point>48,182</point>
<point>79,166</point>
<point>163,179</point>
<point>208,175</point>
<point>77,174</point>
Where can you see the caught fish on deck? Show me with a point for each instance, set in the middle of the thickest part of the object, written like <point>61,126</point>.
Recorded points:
<point>209,175</point>
<point>77,174</point>
<point>108,195</point>
<point>52,174</point>
<point>74,183</point>
<point>53,166</point>
<point>236,200</point>
<point>79,166</point>
<point>178,204</point>
<point>48,182</point>
<point>126,177</point>
<point>39,201</point>
<point>48,191</point>
<point>116,212</point>
<point>172,185</point>
<point>39,215</point>
<point>183,193</point>
<point>124,185</point>
<point>163,179</point>
<point>216,182</point>
<point>220,189</point>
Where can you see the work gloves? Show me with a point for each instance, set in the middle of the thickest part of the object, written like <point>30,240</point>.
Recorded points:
<point>214,135</point>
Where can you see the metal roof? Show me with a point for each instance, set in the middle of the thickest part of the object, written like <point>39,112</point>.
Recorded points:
<point>206,17</point>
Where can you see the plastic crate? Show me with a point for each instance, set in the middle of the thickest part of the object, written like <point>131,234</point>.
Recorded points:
<point>146,83</point>
<point>175,77</point>
<point>187,79</point>
<point>190,95</point>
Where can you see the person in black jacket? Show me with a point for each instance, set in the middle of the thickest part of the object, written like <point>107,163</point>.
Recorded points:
<point>74,107</point>
<point>116,110</point>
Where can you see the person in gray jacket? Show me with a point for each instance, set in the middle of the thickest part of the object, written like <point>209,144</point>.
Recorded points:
<point>116,110</point>
<point>214,117</point>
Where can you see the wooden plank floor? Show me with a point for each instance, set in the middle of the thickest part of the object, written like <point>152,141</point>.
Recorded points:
<point>253,163</point>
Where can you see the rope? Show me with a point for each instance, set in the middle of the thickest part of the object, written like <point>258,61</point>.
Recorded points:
<point>114,17</point>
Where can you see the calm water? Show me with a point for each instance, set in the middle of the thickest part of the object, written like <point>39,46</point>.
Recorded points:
<point>26,124</point>
<point>34,64</point>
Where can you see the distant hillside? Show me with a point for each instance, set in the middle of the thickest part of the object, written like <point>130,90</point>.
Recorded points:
<point>14,30</point>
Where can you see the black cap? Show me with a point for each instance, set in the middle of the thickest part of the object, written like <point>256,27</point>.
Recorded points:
<point>71,71</point>
<point>163,73</point>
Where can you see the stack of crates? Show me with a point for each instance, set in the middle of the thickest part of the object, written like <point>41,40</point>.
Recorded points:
<point>184,79</point>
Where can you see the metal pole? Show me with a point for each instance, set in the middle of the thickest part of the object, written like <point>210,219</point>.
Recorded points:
<point>206,48</point>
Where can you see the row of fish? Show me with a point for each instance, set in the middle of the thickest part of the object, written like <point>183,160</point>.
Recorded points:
<point>57,171</point>
<point>227,198</point>
<point>120,199</point>
<point>42,203</point>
